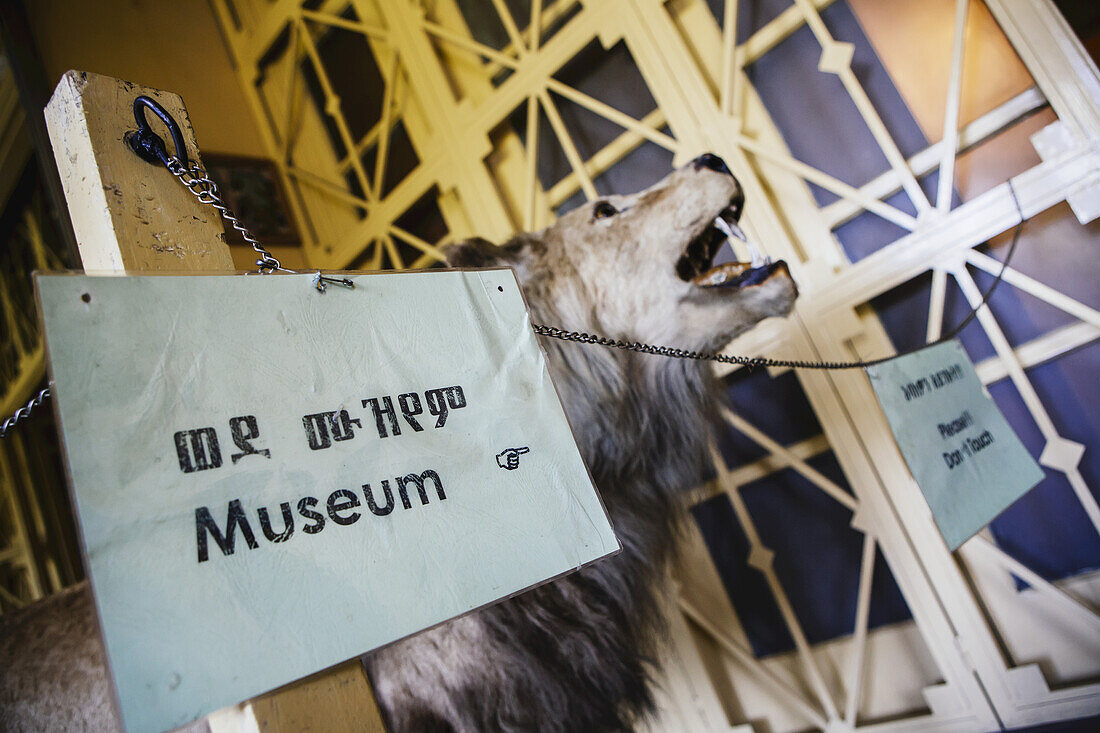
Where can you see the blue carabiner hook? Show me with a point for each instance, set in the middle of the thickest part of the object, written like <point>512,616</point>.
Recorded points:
<point>146,143</point>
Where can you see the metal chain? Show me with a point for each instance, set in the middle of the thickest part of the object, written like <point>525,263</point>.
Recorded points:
<point>150,147</point>
<point>675,353</point>
<point>205,190</point>
<point>195,178</point>
<point>23,412</point>
<point>762,361</point>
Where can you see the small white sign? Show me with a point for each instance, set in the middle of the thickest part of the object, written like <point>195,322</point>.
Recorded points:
<point>968,462</point>
<point>270,480</point>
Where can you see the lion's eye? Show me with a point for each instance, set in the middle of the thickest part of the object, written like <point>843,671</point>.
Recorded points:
<point>602,210</point>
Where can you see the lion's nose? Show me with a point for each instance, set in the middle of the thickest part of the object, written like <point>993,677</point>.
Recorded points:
<point>712,161</point>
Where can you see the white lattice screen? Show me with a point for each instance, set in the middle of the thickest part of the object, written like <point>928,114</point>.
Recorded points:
<point>398,126</point>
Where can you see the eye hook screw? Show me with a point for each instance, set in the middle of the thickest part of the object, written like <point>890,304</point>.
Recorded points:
<point>146,143</point>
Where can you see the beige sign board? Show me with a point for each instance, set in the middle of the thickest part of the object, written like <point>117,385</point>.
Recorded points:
<point>271,480</point>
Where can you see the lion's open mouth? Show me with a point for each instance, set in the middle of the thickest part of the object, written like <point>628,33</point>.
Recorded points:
<point>696,263</point>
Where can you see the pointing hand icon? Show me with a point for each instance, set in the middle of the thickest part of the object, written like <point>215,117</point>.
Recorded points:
<point>508,459</point>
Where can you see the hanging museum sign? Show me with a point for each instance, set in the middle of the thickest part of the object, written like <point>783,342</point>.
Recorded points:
<point>968,462</point>
<point>271,480</point>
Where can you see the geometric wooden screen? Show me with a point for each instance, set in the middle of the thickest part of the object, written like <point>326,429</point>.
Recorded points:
<point>399,126</point>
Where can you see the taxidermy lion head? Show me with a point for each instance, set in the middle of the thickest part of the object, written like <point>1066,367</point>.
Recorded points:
<point>639,266</point>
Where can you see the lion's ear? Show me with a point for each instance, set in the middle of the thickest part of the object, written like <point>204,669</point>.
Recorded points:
<point>479,252</point>
<point>475,252</point>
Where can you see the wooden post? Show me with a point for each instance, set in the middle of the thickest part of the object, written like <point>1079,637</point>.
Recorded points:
<point>127,214</point>
<point>130,215</point>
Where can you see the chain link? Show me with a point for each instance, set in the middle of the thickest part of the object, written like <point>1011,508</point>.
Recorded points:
<point>23,412</point>
<point>205,190</point>
<point>674,353</point>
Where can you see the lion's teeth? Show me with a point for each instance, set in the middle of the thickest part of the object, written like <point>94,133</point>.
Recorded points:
<point>732,230</point>
<point>757,258</point>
